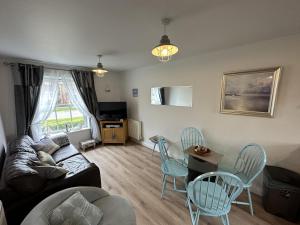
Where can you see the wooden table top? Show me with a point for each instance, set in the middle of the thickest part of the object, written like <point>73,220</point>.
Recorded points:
<point>211,157</point>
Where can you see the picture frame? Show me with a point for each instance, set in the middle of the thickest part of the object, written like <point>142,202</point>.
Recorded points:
<point>135,92</point>
<point>251,92</point>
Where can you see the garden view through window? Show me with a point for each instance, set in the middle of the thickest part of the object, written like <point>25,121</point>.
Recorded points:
<point>65,117</point>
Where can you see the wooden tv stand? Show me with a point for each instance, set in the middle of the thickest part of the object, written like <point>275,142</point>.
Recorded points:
<point>114,135</point>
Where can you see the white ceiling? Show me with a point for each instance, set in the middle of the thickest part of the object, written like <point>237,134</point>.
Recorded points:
<point>74,31</point>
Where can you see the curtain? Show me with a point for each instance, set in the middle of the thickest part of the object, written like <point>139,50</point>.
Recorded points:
<point>84,81</point>
<point>79,103</point>
<point>46,102</point>
<point>28,81</point>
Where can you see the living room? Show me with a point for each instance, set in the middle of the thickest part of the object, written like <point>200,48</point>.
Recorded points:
<point>212,45</point>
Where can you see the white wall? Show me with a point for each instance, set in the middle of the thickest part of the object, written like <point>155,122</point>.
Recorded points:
<point>7,101</point>
<point>224,133</point>
<point>108,88</point>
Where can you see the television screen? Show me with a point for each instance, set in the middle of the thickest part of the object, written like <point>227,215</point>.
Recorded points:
<point>112,110</point>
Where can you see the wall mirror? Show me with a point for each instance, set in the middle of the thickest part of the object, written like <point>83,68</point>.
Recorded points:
<point>174,96</point>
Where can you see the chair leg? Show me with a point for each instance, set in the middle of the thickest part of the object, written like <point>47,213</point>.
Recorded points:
<point>163,185</point>
<point>196,220</point>
<point>174,184</point>
<point>187,198</point>
<point>250,201</point>
<point>153,148</point>
<point>194,215</point>
<point>225,219</point>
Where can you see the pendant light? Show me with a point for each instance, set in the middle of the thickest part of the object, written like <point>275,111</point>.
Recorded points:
<point>165,49</point>
<point>100,71</point>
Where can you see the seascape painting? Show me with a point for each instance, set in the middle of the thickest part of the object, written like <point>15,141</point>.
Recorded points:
<point>250,92</point>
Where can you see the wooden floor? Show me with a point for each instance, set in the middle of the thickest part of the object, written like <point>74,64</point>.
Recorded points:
<point>133,172</point>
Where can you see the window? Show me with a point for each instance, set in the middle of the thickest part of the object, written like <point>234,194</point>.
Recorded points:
<point>65,116</point>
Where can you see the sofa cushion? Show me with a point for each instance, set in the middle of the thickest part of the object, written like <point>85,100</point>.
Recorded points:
<point>60,139</point>
<point>46,145</point>
<point>45,158</point>
<point>76,210</point>
<point>65,153</point>
<point>75,164</point>
<point>50,172</point>
<point>26,184</point>
<point>19,175</point>
<point>21,144</point>
<point>116,210</point>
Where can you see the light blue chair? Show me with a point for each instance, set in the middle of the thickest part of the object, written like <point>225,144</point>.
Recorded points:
<point>248,165</point>
<point>170,167</point>
<point>190,136</point>
<point>212,194</point>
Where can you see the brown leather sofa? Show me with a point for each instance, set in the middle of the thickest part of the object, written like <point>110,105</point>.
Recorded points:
<point>21,188</point>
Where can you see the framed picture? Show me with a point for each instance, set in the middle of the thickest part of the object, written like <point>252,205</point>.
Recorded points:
<point>135,92</point>
<point>251,93</point>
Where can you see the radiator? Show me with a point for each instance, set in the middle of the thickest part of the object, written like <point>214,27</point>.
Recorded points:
<point>135,129</point>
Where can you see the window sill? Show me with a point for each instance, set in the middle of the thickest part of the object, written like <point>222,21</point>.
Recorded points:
<point>76,131</point>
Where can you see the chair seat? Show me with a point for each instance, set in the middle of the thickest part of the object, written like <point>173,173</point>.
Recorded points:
<point>116,210</point>
<point>174,168</point>
<point>213,204</point>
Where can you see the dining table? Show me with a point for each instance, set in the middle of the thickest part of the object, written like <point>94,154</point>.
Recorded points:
<point>200,162</point>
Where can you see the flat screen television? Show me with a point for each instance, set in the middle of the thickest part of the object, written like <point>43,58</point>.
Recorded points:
<point>112,110</point>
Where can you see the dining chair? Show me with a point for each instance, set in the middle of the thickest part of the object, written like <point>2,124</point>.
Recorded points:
<point>248,165</point>
<point>190,136</point>
<point>171,167</point>
<point>212,194</point>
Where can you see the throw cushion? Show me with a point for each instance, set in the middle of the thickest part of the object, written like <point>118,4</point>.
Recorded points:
<point>46,145</point>
<point>60,139</point>
<point>76,210</point>
<point>46,158</point>
<point>50,172</point>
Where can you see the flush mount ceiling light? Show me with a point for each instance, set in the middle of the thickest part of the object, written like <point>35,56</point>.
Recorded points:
<point>100,71</point>
<point>165,49</point>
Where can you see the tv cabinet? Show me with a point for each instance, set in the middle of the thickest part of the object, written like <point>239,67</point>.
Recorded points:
<point>114,132</point>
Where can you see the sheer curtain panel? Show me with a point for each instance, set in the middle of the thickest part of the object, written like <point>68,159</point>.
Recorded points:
<point>46,103</point>
<point>78,102</point>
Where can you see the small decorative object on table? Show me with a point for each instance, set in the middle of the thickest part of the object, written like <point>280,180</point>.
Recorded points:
<point>201,150</point>
<point>86,144</point>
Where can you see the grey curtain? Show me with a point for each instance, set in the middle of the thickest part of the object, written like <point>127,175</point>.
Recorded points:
<point>84,81</point>
<point>28,81</point>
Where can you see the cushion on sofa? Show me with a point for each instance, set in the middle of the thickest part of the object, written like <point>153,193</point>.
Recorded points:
<point>64,153</point>
<point>60,139</point>
<point>75,164</point>
<point>76,210</point>
<point>46,145</point>
<point>50,172</point>
<point>45,158</point>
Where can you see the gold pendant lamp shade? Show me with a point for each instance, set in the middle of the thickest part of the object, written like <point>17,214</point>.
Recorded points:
<point>100,71</point>
<point>165,49</point>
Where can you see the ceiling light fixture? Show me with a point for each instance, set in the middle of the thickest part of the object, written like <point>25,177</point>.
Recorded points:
<point>100,71</point>
<point>165,49</point>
